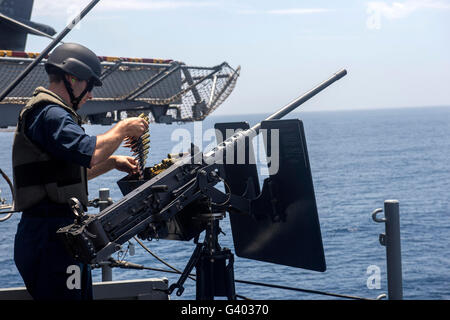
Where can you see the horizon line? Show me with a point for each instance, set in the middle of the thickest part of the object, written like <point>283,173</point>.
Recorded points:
<point>339,110</point>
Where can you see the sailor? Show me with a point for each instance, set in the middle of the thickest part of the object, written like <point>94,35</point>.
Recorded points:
<point>53,158</point>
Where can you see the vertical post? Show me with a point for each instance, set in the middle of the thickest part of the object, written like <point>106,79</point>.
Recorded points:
<point>198,107</point>
<point>104,198</point>
<point>393,250</point>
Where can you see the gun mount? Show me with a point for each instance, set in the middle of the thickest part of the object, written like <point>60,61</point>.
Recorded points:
<point>278,223</point>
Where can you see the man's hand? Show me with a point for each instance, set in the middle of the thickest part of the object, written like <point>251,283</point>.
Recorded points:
<point>121,163</point>
<point>108,142</point>
<point>134,127</point>
<point>126,164</point>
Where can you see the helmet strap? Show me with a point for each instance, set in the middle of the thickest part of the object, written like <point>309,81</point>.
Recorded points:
<point>75,101</point>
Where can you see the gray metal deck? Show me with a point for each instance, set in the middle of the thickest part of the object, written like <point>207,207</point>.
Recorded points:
<point>138,289</point>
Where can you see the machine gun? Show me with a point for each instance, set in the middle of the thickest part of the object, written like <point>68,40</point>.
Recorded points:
<point>178,200</point>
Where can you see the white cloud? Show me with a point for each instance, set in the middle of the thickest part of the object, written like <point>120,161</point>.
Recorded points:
<point>292,11</point>
<point>43,8</point>
<point>398,10</point>
<point>152,5</point>
<point>68,8</point>
<point>298,11</point>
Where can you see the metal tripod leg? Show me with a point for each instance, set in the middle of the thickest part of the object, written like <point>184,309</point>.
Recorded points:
<point>187,270</point>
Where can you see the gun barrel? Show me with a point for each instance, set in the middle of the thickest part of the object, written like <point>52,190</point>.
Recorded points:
<point>302,99</point>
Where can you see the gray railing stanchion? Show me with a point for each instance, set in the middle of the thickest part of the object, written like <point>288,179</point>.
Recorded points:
<point>105,201</point>
<point>391,240</point>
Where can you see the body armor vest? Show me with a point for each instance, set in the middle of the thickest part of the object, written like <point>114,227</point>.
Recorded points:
<point>37,174</point>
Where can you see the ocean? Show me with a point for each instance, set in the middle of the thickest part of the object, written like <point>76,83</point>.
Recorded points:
<point>358,160</point>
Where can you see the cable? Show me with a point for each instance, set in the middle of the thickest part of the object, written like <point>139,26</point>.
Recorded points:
<point>9,213</point>
<point>175,270</point>
<point>250,282</point>
<point>302,290</point>
<point>128,265</point>
<point>158,258</point>
<point>132,266</point>
<point>229,193</point>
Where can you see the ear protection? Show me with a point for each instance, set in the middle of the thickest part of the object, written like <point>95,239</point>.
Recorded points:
<point>73,80</point>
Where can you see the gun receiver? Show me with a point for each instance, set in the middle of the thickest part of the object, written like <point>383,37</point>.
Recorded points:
<point>164,203</point>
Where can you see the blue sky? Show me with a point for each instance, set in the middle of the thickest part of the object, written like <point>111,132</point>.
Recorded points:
<point>397,53</point>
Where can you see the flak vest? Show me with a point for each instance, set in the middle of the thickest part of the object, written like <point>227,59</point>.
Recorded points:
<point>37,174</point>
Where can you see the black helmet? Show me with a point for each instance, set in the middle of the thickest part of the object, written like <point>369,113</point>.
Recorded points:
<point>77,60</point>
